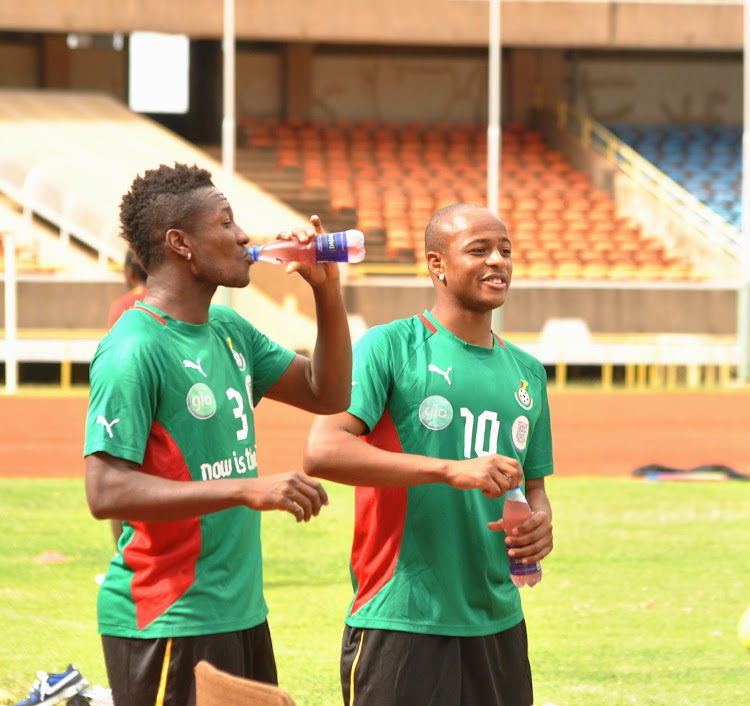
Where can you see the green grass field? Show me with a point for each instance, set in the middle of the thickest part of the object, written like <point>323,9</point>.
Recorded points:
<point>639,603</point>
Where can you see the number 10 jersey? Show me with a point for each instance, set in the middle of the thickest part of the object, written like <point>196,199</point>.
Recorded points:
<point>423,559</point>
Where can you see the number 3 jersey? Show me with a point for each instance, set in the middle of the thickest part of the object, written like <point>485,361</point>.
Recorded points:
<point>423,559</point>
<point>177,399</point>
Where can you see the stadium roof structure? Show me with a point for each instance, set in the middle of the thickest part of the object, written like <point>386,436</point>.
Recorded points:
<point>626,24</point>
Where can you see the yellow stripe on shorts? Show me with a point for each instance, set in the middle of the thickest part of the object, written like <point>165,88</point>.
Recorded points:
<point>164,671</point>
<point>354,669</point>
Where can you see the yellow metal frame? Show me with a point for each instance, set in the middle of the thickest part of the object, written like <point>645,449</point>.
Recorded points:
<point>62,336</point>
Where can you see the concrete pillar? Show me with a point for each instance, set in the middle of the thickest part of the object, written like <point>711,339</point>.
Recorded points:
<point>297,79</point>
<point>54,61</point>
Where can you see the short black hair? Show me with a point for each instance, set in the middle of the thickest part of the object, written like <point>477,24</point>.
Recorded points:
<point>160,199</point>
<point>442,226</point>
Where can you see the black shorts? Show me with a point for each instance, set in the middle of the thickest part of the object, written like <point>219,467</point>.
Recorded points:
<point>392,668</point>
<point>159,672</point>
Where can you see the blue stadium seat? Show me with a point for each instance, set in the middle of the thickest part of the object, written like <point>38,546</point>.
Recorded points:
<point>706,159</point>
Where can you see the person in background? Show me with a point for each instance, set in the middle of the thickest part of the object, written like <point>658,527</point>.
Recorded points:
<point>135,278</point>
<point>170,447</point>
<point>445,418</point>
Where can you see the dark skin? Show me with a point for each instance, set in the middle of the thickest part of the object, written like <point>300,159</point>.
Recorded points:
<point>182,286</point>
<point>474,258</point>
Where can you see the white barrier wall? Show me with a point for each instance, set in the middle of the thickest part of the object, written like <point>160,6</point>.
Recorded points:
<point>9,344</point>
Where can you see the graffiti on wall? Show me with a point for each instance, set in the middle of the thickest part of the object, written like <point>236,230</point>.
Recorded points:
<point>660,91</point>
<point>400,88</point>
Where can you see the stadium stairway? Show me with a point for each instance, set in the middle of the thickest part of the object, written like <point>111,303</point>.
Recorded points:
<point>66,158</point>
<point>287,183</point>
<point>38,249</point>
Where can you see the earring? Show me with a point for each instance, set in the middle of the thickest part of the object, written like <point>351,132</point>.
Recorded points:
<point>189,255</point>
<point>441,277</point>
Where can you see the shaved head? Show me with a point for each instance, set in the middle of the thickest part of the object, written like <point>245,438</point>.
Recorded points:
<point>446,223</point>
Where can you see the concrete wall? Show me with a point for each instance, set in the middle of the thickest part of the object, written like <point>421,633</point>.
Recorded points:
<point>50,64</point>
<point>306,80</point>
<point>99,70</point>
<point>646,308</point>
<point>18,65</point>
<point>654,87</point>
<point>709,309</point>
<point>327,83</point>
<point>43,302</point>
<point>410,22</point>
<point>398,86</point>
<point>58,305</point>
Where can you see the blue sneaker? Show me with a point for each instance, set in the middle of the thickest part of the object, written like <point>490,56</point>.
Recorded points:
<point>53,688</point>
<point>95,696</point>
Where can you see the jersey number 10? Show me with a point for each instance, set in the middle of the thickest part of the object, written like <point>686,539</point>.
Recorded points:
<point>481,438</point>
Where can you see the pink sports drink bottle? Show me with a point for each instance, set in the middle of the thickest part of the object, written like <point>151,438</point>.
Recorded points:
<point>342,246</point>
<point>515,511</point>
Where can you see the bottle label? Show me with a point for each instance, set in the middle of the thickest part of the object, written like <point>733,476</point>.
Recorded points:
<point>331,247</point>
<point>519,569</point>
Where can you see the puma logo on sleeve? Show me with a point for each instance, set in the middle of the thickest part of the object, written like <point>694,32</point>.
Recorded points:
<point>107,425</point>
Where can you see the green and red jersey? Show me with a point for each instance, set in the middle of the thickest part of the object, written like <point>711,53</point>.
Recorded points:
<point>178,400</point>
<point>423,559</point>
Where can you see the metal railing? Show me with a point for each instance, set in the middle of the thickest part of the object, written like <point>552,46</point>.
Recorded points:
<point>705,221</point>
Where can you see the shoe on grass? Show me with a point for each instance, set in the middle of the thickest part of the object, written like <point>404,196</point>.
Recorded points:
<point>54,688</point>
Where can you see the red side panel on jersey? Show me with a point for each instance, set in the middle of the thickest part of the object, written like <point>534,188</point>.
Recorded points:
<point>379,523</point>
<point>163,555</point>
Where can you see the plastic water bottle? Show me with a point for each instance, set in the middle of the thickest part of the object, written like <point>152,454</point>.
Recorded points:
<point>342,246</point>
<point>515,511</point>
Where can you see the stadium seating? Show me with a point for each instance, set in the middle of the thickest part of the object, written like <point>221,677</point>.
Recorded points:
<point>389,178</point>
<point>705,159</point>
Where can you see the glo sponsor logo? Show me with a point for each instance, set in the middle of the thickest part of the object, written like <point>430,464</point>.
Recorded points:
<point>435,412</point>
<point>201,401</point>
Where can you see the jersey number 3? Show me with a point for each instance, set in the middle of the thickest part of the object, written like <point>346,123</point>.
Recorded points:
<point>239,412</point>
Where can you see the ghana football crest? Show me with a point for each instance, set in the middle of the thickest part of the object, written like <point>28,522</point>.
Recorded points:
<point>238,357</point>
<point>523,397</point>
